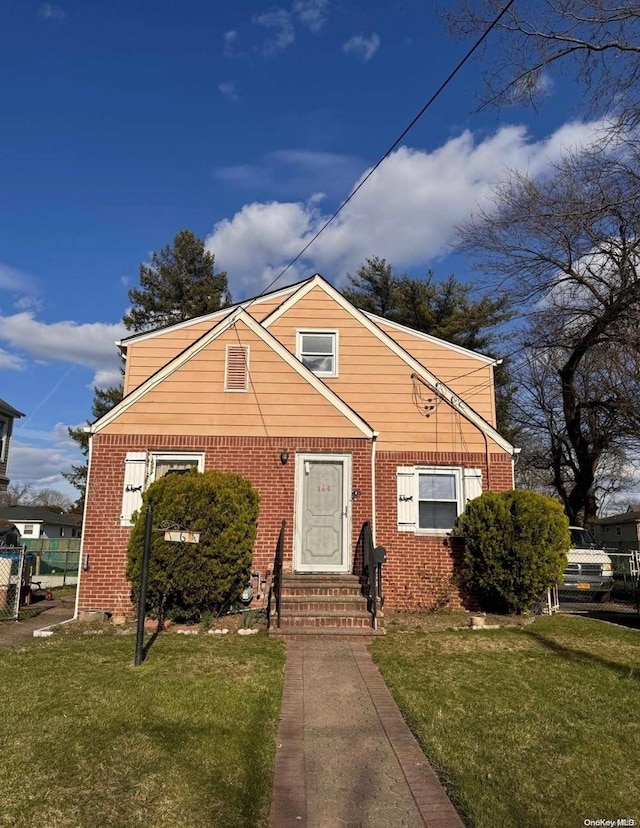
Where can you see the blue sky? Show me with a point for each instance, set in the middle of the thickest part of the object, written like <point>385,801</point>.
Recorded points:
<point>245,122</point>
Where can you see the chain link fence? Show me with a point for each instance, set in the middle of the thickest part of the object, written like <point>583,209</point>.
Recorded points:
<point>605,579</point>
<point>14,579</point>
<point>55,561</point>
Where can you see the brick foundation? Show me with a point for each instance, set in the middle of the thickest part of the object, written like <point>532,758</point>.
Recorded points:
<point>419,568</point>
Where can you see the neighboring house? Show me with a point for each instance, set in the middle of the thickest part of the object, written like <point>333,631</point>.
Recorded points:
<point>336,416</point>
<point>7,415</point>
<point>35,522</point>
<point>620,532</point>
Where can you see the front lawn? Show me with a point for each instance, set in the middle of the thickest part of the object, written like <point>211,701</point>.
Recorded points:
<point>527,726</point>
<point>187,739</point>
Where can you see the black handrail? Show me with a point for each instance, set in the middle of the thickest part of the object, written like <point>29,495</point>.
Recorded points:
<point>373,558</point>
<point>276,578</point>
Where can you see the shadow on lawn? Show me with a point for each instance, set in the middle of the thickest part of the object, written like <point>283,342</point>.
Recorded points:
<point>623,670</point>
<point>149,644</point>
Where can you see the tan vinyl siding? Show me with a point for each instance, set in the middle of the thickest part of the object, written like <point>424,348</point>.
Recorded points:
<point>146,357</point>
<point>192,400</point>
<point>469,377</point>
<point>377,383</point>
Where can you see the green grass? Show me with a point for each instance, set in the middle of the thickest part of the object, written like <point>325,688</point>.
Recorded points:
<point>528,726</point>
<point>187,739</point>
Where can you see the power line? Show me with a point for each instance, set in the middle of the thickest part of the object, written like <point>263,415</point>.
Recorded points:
<point>404,132</point>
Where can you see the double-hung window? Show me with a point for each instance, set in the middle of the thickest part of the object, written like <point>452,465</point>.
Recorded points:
<point>438,498</point>
<point>318,350</point>
<point>430,498</point>
<point>141,468</point>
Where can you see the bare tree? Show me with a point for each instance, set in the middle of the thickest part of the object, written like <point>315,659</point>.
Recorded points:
<point>24,494</point>
<point>568,249</point>
<point>594,42</point>
<point>17,494</point>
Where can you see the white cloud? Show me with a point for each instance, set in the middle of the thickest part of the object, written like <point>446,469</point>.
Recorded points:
<point>42,466</point>
<point>16,281</point>
<point>406,212</point>
<point>11,362</point>
<point>49,12</point>
<point>89,344</point>
<point>107,378</point>
<point>230,39</point>
<point>312,13</point>
<point>281,21</point>
<point>364,48</point>
<point>228,90</point>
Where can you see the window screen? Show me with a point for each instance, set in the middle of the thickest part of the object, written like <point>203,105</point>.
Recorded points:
<point>437,500</point>
<point>318,352</point>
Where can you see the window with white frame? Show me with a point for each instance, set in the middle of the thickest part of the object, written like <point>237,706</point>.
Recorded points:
<point>141,469</point>
<point>177,462</point>
<point>27,529</point>
<point>430,498</point>
<point>318,350</point>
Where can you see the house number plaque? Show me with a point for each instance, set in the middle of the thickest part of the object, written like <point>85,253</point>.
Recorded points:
<point>182,536</point>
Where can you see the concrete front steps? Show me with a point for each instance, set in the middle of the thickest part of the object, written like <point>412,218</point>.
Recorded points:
<point>323,605</point>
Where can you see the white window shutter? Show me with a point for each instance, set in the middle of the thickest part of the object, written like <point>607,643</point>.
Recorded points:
<point>135,472</point>
<point>472,484</point>
<point>407,494</point>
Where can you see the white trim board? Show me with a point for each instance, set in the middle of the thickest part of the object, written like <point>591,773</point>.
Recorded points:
<point>255,327</point>
<point>216,315</point>
<point>434,340</point>
<point>441,388</point>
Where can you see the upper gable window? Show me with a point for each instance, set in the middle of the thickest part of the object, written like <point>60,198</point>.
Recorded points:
<point>318,350</point>
<point>236,373</point>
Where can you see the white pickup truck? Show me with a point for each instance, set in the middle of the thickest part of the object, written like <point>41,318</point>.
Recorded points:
<point>589,568</point>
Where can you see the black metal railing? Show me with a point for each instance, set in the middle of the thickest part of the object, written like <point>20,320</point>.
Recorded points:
<point>275,590</point>
<point>373,558</point>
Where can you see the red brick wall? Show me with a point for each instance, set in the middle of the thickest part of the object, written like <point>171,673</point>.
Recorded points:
<point>103,585</point>
<point>419,568</point>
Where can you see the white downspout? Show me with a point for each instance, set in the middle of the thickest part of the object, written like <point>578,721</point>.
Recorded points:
<point>84,517</point>
<point>376,434</point>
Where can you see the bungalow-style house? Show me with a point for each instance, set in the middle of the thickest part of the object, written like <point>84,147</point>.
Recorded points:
<point>7,415</point>
<point>35,522</point>
<point>336,416</point>
<point>620,532</point>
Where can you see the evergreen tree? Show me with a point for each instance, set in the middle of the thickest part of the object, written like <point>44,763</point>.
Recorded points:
<point>444,309</point>
<point>180,283</point>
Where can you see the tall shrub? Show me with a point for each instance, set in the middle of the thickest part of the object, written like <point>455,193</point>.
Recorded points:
<point>515,547</point>
<point>188,579</point>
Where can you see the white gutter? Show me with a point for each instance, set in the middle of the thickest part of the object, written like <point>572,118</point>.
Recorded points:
<point>84,518</point>
<point>374,443</point>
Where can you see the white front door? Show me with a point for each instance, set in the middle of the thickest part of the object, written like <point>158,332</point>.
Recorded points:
<point>323,489</point>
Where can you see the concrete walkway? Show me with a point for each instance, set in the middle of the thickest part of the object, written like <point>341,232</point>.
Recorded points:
<point>19,632</point>
<point>345,757</point>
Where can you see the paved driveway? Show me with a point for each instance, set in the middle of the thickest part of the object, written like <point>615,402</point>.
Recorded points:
<point>18,632</point>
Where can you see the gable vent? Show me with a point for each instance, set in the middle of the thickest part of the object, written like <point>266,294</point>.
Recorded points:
<point>236,375</point>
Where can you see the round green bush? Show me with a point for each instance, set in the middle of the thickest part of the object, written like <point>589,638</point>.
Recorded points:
<point>189,579</point>
<point>515,547</point>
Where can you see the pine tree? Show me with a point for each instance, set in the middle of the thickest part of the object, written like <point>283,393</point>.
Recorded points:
<point>179,283</point>
<point>445,309</point>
